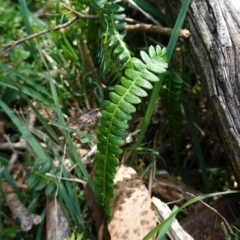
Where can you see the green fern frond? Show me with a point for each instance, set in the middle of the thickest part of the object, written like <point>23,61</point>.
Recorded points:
<point>116,114</point>
<point>170,98</point>
<point>113,54</point>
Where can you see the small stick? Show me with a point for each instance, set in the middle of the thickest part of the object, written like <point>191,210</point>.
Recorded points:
<point>140,27</point>
<point>61,26</point>
<point>18,210</point>
<point>142,11</point>
<point>67,179</point>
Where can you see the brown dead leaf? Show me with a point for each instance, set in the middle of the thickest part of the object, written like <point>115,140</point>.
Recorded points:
<point>133,215</point>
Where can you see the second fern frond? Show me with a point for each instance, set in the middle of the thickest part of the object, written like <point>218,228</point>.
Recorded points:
<point>170,98</point>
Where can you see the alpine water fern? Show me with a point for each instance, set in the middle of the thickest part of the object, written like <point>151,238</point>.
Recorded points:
<point>116,114</point>
<point>134,77</point>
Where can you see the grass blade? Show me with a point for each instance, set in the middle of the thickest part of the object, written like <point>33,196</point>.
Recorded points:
<point>72,152</point>
<point>196,145</point>
<point>174,213</point>
<point>25,13</point>
<point>25,132</point>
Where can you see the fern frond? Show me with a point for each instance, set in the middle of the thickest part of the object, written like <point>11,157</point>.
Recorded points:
<point>116,114</point>
<point>113,54</point>
<point>170,98</point>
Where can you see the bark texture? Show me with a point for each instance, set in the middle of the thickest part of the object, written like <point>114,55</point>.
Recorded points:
<point>215,48</point>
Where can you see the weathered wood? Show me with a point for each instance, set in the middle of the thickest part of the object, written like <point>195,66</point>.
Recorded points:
<point>215,48</point>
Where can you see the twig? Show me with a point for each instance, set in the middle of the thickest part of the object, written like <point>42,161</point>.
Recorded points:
<point>12,161</point>
<point>67,179</point>
<point>85,158</point>
<point>143,12</point>
<point>29,37</point>
<point>140,27</point>
<point>143,27</point>
<point>21,185</point>
<point>80,15</point>
<point>32,119</point>
<point>89,154</point>
<point>61,26</point>
<point>18,210</point>
<point>13,146</point>
<point>131,20</point>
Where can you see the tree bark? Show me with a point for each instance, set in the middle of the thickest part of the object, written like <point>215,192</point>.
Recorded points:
<point>215,48</point>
